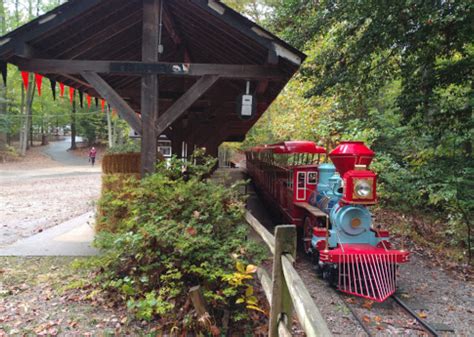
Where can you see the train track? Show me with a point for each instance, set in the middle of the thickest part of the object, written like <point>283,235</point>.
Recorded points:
<point>401,304</point>
<point>413,314</point>
<point>423,325</point>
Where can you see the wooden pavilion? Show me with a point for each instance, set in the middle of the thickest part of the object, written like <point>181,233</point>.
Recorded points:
<point>169,67</point>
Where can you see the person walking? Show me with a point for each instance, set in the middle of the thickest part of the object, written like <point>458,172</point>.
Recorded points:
<point>92,155</point>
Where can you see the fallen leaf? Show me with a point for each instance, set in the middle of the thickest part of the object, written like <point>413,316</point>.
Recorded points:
<point>367,304</point>
<point>422,314</point>
<point>251,269</point>
<point>366,319</point>
<point>351,300</point>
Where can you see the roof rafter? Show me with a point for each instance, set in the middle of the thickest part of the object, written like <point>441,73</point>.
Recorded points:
<point>47,23</point>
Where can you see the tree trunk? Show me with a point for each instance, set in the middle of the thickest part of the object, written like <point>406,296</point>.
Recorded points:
<point>17,11</point>
<point>109,128</point>
<point>26,111</point>
<point>30,125</point>
<point>44,135</point>
<point>3,113</point>
<point>29,111</point>
<point>73,124</point>
<point>3,88</point>
<point>23,122</point>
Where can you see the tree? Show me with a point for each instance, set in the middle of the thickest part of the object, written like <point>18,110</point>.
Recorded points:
<point>257,10</point>
<point>398,75</point>
<point>3,89</point>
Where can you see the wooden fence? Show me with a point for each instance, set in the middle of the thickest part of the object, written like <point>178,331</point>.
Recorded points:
<point>285,291</point>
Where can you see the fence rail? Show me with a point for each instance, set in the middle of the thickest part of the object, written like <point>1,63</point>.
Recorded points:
<point>285,290</point>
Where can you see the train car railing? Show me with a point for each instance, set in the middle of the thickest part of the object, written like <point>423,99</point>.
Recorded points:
<point>285,290</point>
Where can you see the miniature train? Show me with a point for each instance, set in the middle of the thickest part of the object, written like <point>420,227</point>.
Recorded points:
<point>329,202</point>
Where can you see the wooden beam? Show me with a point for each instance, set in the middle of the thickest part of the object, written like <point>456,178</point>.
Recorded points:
<point>46,66</point>
<point>170,26</point>
<point>49,21</point>
<point>114,99</point>
<point>185,101</point>
<point>149,97</point>
<point>262,85</point>
<point>251,30</point>
<point>24,51</point>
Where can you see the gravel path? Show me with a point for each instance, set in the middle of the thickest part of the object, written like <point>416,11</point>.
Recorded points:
<point>38,192</point>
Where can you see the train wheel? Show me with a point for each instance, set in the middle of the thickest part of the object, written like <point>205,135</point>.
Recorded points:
<point>331,275</point>
<point>307,235</point>
<point>315,261</point>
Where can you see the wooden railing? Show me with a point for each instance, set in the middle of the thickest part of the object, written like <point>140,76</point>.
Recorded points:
<point>285,291</point>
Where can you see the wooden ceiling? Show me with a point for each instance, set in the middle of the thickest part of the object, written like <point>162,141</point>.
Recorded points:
<point>193,31</point>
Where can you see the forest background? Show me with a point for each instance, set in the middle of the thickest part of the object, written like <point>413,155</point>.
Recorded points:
<point>397,75</point>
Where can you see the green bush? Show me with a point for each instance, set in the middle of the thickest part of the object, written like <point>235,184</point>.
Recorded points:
<point>129,147</point>
<point>178,230</point>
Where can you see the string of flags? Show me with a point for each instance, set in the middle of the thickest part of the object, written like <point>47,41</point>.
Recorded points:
<point>72,92</point>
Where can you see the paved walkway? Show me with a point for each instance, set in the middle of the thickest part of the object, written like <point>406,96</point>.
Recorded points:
<point>58,151</point>
<point>71,238</point>
<point>68,164</point>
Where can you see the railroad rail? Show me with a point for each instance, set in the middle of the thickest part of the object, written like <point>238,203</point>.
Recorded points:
<point>413,314</point>
<point>425,325</point>
<point>285,290</point>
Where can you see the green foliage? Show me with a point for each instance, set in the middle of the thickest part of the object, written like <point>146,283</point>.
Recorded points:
<point>258,11</point>
<point>397,75</point>
<point>129,146</point>
<point>8,154</point>
<point>92,126</point>
<point>176,230</point>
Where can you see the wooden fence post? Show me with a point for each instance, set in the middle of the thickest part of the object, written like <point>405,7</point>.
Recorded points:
<point>281,304</point>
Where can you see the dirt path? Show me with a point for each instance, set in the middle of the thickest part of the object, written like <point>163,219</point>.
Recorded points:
<point>39,192</point>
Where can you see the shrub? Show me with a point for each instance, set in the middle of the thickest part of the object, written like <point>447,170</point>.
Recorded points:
<point>176,230</point>
<point>128,147</point>
<point>113,206</point>
<point>9,154</point>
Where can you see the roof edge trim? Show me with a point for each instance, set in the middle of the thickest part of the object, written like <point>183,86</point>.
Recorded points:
<point>216,6</point>
<point>287,54</point>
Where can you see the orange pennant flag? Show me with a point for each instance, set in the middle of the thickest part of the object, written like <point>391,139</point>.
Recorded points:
<point>26,79</point>
<point>89,101</point>
<point>61,89</point>
<point>71,94</point>
<point>39,82</point>
<point>102,102</point>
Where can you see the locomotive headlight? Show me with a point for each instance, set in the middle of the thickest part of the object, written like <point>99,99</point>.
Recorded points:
<point>363,189</point>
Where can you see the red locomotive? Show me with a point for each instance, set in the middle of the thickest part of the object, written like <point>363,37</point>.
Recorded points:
<point>329,202</point>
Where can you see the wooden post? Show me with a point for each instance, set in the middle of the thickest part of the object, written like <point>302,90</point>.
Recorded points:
<point>281,304</point>
<point>149,100</point>
<point>198,301</point>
